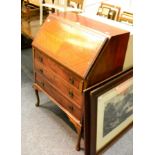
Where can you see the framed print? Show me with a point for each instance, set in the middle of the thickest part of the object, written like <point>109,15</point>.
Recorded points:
<point>126,17</point>
<point>105,11</point>
<point>109,11</point>
<point>109,110</point>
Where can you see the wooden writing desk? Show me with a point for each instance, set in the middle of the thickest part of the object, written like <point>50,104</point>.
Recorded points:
<point>72,53</point>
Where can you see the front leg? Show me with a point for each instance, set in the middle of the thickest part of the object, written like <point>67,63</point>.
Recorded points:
<point>80,132</point>
<point>37,96</point>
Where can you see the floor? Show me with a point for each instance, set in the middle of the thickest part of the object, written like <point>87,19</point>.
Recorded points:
<point>46,130</point>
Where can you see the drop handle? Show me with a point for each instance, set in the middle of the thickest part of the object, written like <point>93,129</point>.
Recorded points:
<point>71,94</point>
<point>71,80</point>
<point>41,71</point>
<point>40,59</point>
<point>71,108</point>
<point>42,84</point>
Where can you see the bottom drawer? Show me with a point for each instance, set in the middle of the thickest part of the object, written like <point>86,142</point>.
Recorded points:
<point>51,91</point>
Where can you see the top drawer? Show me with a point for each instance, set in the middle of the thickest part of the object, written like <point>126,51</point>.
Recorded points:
<point>67,75</point>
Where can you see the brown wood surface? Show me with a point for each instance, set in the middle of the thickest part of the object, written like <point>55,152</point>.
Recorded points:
<point>64,102</point>
<point>90,23</point>
<point>111,58</point>
<point>30,28</point>
<point>72,45</point>
<point>110,61</point>
<point>59,69</point>
<point>71,53</point>
<point>81,49</point>
<point>66,89</point>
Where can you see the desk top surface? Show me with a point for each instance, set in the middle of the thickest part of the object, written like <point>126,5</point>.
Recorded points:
<point>73,40</point>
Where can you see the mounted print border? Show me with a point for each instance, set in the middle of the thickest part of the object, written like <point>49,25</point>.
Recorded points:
<point>108,111</point>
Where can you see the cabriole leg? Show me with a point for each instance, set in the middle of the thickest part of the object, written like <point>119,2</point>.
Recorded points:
<point>79,139</point>
<point>37,96</point>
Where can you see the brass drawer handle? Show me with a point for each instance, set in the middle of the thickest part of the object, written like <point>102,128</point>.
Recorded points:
<point>41,71</point>
<point>40,59</point>
<point>42,84</point>
<point>71,80</point>
<point>71,108</point>
<point>71,94</point>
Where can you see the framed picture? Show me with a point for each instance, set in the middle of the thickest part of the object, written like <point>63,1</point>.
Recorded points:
<point>126,17</point>
<point>108,111</point>
<point>109,11</point>
<point>105,11</point>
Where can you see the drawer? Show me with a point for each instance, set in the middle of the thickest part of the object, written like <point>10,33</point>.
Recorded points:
<point>39,56</point>
<point>60,99</point>
<point>58,69</point>
<point>65,88</point>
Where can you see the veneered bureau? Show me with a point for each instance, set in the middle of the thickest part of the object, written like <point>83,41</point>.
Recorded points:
<point>72,53</point>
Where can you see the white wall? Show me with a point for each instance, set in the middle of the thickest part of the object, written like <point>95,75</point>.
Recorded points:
<point>91,6</point>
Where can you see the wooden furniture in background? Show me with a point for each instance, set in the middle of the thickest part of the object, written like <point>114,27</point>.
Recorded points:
<point>29,20</point>
<point>34,2</point>
<point>69,55</point>
<point>29,10</point>
<point>30,28</point>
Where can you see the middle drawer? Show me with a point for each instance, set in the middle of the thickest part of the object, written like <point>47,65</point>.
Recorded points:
<point>60,99</point>
<point>71,92</point>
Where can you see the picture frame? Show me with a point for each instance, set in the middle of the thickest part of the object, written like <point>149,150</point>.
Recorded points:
<point>126,17</point>
<point>108,111</point>
<point>104,11</point>
<point>109,11</point>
